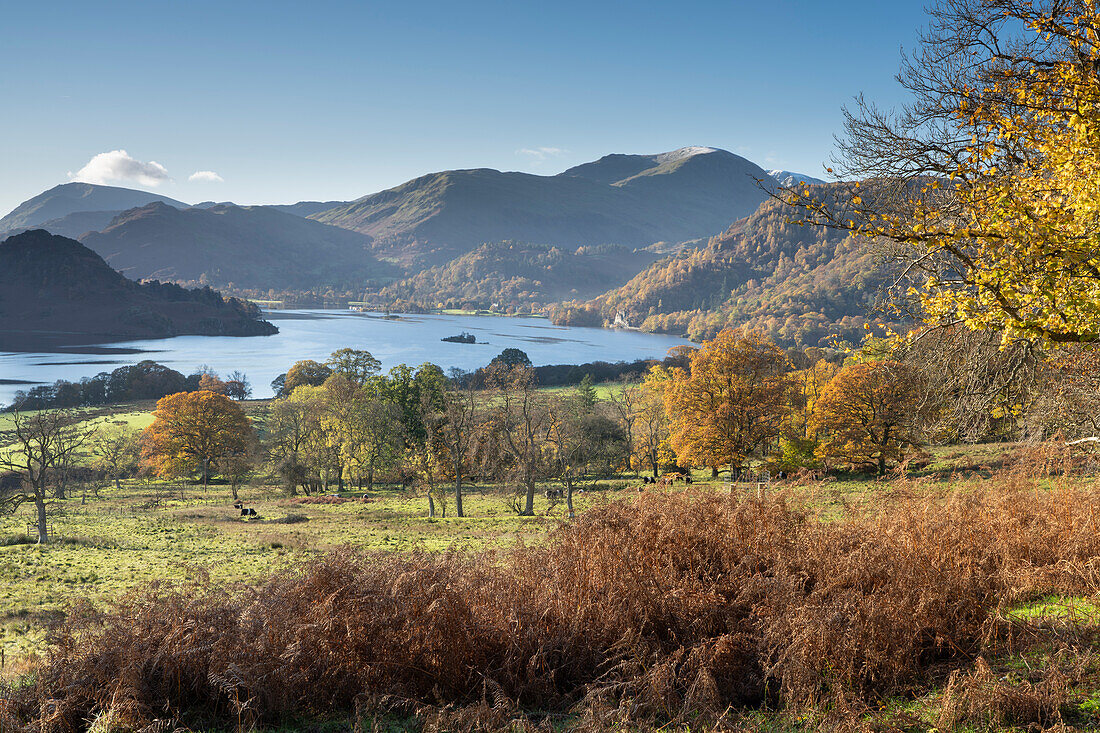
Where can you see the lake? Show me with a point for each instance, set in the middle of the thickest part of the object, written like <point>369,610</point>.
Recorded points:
<point>314,334</point>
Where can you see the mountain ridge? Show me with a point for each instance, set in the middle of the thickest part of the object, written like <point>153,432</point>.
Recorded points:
<point>241,246</point>
<point>69,198</point>
<point>633,200</point>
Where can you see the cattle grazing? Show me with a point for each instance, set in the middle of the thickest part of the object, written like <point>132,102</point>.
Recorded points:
<point>246,511</point>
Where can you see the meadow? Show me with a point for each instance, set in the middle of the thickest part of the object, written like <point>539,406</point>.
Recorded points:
<point>110,541</point>
<point>151,531</point>
<point>922,644</point>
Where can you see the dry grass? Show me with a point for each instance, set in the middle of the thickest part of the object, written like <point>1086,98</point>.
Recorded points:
<point>677,607</point>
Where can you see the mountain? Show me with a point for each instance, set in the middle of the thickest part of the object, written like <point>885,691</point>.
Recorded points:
<point>308,208</point>
<point>302,208</point>
<point>55,289</point>
<point>69,198</point>
<point>515,275</point>
<point>789,178</point>
<point>72,225</point>
<point>632,200</point>
<point>246,247</point>
<point>801,285</point>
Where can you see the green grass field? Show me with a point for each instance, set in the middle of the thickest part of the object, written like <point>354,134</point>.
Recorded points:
<point>149,532</point>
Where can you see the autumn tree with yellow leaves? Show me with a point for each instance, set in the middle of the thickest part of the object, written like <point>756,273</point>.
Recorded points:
<point>193,431</point>
<point>866,414</point>
<point>649,433</point>
<point>730,404</point>
<point>988,180</point>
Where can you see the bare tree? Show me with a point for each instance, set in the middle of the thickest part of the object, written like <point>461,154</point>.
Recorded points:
<point>972,388</point>
<point>458,434</point>
<point>566,439</point>
<point>117,452</point>
<point>42,443</point>
<point>517,430</point>
<point>626,405</point>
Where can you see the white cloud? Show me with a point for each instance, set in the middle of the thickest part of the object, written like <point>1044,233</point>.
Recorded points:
<point>541,153</point>
<point>118,166</point>
<point>206,177</point>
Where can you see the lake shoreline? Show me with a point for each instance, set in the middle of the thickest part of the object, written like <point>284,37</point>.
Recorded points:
<point>411,339</point>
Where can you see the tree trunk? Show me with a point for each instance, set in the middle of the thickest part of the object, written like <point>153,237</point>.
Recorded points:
<point>205,475</point>
<point>370,478</point>
<point>43,534</point>
<point>458,495</point>
<point>656,471</point>
<point>881,465</point>
<point>431,506</point>
<point>569,497</point>
<point>233,490</point>
<point>529,501</point>
<point>713,473</point>
<point>118,484</point>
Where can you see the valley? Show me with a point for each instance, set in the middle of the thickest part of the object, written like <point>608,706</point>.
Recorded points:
<point>561,245</point>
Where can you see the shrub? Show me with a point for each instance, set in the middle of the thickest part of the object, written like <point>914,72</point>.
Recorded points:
<point>670,606</point>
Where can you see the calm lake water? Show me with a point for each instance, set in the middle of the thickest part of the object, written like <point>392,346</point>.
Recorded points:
<point>314,334</point>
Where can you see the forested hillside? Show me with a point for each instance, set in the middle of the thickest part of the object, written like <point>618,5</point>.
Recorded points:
<point>798,284</point>
<point>517,275</point>
<point>54,290</point>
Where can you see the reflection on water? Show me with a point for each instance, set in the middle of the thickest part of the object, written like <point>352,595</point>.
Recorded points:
<point>314,334</point>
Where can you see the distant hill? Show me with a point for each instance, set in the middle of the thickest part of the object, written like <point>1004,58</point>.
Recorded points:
<point>517,275</point>
<point>308,208</point>
<point>71,226</point>
<point>70,198</point>
<point>790,178</point>
<point>632,200</point>
<point>799,284</point>
<point>55,289</point>
<point>302,208</point>
<point>245,247</point>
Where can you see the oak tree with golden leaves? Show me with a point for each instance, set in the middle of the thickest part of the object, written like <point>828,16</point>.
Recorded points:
<point>192,431</point>
<point>866,414</point>
<point>731,403</point>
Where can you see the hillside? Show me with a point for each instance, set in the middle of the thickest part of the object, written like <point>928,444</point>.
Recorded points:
<point>800,285</point>
<point>71,225</point>
<point>236,246</point>
<point>516,275</point>
<point>54,289</point>
<point>634,201</point>
<point>70,198</point>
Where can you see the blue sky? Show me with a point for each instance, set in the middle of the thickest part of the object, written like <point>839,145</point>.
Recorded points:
<point>334,100</point>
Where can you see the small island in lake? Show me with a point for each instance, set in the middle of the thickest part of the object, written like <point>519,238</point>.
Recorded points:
<point>462,338</point>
